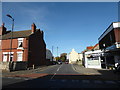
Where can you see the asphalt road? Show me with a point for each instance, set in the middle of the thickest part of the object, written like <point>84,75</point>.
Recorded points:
<point>60,69</point>
<point>56,77</point>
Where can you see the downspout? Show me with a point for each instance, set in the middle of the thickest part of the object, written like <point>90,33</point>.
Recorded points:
<point>28,54</point>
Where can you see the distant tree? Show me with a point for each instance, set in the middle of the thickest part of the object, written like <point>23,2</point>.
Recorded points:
<point>63,54</point>
<point>57,58</point>
<point>63,57</point>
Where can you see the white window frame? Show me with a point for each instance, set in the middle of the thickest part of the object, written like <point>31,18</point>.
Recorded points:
<point>4,58</point>
<point>21,56</point>
<point>0,42</point>
<point>20,40</point>
<point>9,54</point>
<point>5,52</point>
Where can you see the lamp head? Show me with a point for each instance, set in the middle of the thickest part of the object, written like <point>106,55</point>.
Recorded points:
<point>9,15</point>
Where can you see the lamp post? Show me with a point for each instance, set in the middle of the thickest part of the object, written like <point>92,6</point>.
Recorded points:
<point>105,57</point>
<point>11,62</point>
<point>11,36</point>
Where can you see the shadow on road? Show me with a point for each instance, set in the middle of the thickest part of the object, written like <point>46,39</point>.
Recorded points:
<point>109,75</point>
<point>60,81</point>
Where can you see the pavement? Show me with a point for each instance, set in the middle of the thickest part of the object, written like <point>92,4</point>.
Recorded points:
<point>22,73</point>
<point>103,74</point>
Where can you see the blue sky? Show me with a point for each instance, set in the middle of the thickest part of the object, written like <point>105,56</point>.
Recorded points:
<point>66,25</point>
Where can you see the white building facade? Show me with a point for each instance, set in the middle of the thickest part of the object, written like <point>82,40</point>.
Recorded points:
<point>80,56</point>
<point>49,55</point>
<point>73,56</point>
<point>92,59</point>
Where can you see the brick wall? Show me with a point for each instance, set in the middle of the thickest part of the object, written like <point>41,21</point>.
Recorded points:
<point>22,65</point>
<point>13,66</point>
<point>117,34</point>
<point>4,65</point>
<point>37,50</point>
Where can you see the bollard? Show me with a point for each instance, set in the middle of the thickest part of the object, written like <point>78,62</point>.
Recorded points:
<point>33,66</point>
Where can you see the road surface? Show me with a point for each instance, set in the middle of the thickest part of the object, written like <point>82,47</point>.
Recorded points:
<point>57,76</point>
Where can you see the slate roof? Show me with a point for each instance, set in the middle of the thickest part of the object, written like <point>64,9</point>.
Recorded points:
<point>18,34</point>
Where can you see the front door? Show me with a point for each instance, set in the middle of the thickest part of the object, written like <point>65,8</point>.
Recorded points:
<point>11,57</point>
<point>4,57</point>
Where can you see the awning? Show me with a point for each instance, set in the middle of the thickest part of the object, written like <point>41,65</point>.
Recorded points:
<point>93,55</point>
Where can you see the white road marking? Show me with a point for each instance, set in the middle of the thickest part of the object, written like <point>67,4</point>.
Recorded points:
<point>98,82</point>
<point>89,81</point>
<point>52,80</point>
<point>110,82</point>
<point>73,67</point>
<point>55,73</point>
<point>59,68</point>
<point>63,80</point>
<point>26,79</point>
<point>18,78</point>
<point>53,76</point>
<point>9,77</point>
<point>75,80</point>
<point>118,81</point>
<point>85,81</point>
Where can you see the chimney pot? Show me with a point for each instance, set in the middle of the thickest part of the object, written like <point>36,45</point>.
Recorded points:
<point>2,29</point>
<point>33,26</point>
<point>3,24</point>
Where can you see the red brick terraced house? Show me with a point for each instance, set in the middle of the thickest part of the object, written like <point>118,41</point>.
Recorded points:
<point>109,43</point>
<point>28,48</point>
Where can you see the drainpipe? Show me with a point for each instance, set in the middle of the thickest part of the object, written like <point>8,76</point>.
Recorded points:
<point>105,60</point>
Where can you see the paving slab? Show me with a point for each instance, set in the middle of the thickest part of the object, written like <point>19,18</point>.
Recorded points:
<point>103,74</point>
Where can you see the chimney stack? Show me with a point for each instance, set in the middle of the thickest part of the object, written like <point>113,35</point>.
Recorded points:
<point>33,27</point>
<point>2,29</point>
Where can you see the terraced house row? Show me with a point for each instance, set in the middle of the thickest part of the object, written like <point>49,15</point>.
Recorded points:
<point>25,49</point>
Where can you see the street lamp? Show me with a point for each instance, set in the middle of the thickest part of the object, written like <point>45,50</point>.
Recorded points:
<point>11,36</point>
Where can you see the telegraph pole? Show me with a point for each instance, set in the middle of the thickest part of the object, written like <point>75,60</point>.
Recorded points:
<point>57,51</point>
<point>52,49</point>
<point>52,53</point>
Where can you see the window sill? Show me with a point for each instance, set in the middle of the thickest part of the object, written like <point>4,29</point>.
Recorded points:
<point>21,48</point>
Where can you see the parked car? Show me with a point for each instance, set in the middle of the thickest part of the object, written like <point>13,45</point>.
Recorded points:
<point>59,62</point>
<point>66,62</point>
<point>117,69</point>
<point>54,62</point>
